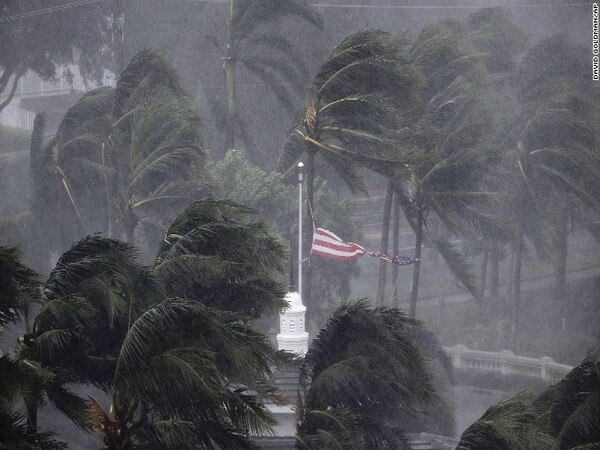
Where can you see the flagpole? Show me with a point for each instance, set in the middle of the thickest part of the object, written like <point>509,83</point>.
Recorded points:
<point>300,181</point>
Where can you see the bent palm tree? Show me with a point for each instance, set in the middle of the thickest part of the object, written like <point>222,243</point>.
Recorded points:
<point>564,416</point>
<point>364,377</point>
<point>451,128</point>
<point>277,64</point>
<point>210,254</point>
<point>552,148</point>
<point>177,371</point>
<point>351,119</point>
<point>511,424</point>
<point>22,381</point>
<point>140,141</point>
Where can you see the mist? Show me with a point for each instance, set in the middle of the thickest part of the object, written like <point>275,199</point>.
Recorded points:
<point>150,250</point>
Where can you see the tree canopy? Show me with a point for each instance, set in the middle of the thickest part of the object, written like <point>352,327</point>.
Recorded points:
<point>31,42</point>
<point>364,378</point>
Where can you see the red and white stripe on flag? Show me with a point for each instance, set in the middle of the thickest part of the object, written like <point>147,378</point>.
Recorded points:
<point>328,245</point>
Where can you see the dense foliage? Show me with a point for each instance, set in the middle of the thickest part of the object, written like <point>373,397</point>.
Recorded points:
<point>564,416</point>
<point>31,42</point>
<point>365,379</point>
<point>484,141</point>
<point>171,346</point>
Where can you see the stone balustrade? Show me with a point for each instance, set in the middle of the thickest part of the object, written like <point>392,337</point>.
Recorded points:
<point>68,80</point>
<point>507,363</point>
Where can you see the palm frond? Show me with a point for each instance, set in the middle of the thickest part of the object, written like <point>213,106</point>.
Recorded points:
<point>14,433</point>
<point>508,425</point>
<point>240,276</point>
<point>18,286</point>
<point>248,15</point>
<point>458,264</point>
<point>282,44</point>
<point>362,367</point>
<point>280,79</point>
<point>147,71</point>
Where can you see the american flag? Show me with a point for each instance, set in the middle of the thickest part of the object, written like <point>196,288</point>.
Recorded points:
<point>404,260</point>
<point>330,246</point>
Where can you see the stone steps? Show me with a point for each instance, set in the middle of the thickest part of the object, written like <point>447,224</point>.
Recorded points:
<point>288,383</point>
<point>276,443</point>
<point>428,441</point>
<point>421,445</point>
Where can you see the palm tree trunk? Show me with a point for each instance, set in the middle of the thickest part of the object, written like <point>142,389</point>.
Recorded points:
<point>516,294</point>
<point>495,275</point>
<point>118,35</point>
<point>511,271</point>
<point>385,232</point>
<point>38,200</point>
<point>482,305</point>
<point>482,281</point>
<point>395,249</point>
<point>229,88</point>
<point>518,259</point>
<point>414,292</point>
<point>308,224</point>
<point>31,418</point>
<point>130,221</point>
<point>109,195</point>
<point>230,112</point>
<point>560,268</point>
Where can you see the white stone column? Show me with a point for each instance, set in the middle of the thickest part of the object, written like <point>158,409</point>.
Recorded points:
<point>292,335</point>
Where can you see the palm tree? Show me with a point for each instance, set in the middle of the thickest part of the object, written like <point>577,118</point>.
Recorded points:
<point>186,375</point>
<point>277,62</point>
<point>21,380</point>
<point>511,424</point>
<point>451,126</point>
<point>175,370</point>
<point>139,140</point>
<point>364,378</point>
<point>564,416</point>
<point>572,406</point>
<point>453,131</point>
<point>18,287</point>
<point>212,255</point>
<point>553,151</point>
<point>351,119</point>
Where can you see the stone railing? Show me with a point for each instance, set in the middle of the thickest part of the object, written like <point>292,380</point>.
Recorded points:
<point>507,363</point>
<point>16,117</point>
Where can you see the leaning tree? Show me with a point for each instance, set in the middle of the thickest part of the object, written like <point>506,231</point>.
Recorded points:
<point>365,379</point>
<point>350,119</point>
<point>171,346</point>
<point>271,56</point>
<point>553,165</point>
<point>126,155</point>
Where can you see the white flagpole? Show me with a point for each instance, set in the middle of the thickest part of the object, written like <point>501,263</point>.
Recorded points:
<point>300,180</point>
